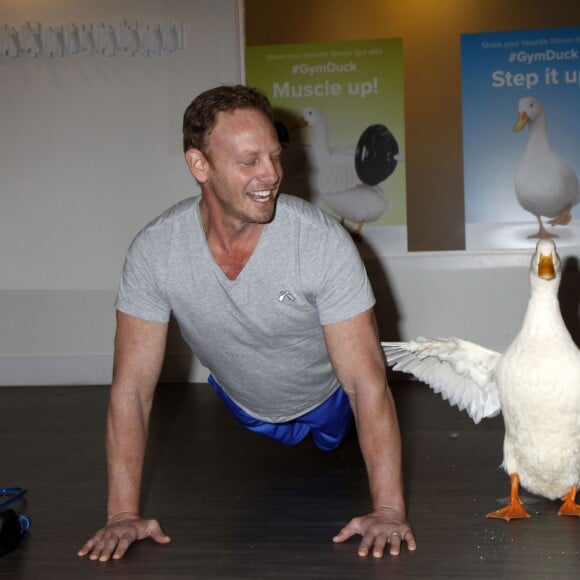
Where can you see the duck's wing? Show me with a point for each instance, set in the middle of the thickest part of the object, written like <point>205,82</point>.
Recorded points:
<point>461,371</point>
<point>340,172</point>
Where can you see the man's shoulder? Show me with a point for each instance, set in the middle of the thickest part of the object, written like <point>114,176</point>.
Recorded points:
<point>166,227</point>
<point>296,209</point>
<point>176,213</point>
<point>171,220</point>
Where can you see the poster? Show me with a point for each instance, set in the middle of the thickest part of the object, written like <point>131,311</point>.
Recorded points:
<point>521,178</point>
<point>340,116</point>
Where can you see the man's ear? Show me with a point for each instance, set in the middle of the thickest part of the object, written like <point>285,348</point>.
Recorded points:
<point>198,164</point>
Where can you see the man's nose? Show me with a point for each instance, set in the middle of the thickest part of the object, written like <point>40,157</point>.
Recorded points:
<point>270,171</point>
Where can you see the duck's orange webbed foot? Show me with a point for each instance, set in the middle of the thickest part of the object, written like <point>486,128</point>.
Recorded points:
<point>515,509</point>
<point>542,233</point>
<point>570,507</point>
<point>563,219</point>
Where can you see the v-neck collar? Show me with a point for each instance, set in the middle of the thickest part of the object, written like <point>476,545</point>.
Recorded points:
<point>209,256</point>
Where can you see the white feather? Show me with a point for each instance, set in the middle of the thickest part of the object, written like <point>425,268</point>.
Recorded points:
<point>463,372</point>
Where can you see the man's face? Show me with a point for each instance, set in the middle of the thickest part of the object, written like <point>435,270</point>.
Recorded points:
<point>244,170</point>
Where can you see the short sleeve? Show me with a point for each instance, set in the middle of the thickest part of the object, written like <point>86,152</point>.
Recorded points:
<point>141,289</point>
<point>344,289</point>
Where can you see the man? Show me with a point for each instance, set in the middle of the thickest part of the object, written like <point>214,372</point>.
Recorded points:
<point>271,295</point>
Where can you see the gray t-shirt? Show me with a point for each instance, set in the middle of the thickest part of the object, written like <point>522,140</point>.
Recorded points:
<point>260,334</point>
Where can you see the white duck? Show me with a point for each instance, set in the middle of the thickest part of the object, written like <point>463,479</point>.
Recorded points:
<point>334,178</point>
<point>545,183</point>
<point>332,169</point>
<point>535,384</point>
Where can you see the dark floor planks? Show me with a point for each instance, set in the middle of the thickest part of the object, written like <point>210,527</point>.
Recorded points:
<point>240,506</point>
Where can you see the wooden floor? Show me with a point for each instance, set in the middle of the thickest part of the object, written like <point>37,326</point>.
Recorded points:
<point>240,506</point>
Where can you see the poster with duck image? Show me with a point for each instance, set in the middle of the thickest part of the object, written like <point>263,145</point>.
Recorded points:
<point>521,137</point>
<point>339,114</point>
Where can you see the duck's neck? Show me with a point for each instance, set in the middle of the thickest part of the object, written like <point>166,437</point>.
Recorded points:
<point>320,144</point>
<point>543,315</point>
<point>538,137</point>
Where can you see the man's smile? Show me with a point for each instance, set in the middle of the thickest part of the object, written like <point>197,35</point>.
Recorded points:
<point>261,196</point>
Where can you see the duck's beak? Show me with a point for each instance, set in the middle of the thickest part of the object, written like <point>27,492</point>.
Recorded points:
<point>300,124</point>
<point>521,122</point>
<point>546,269</point>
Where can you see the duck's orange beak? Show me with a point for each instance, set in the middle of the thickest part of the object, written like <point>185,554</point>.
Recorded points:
<point>546,269</point>
<point>300,124</point>
<point>521,122</point>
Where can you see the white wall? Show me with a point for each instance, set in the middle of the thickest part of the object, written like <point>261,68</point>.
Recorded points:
<point>90,150</point>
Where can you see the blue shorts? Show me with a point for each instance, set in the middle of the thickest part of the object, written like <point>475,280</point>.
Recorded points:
<point>329,423</point>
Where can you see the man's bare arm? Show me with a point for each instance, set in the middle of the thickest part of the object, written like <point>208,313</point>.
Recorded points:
<point>139,352</point>
<point>358,361</point>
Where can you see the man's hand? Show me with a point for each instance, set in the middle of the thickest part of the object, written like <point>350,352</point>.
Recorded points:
<point>378,529</point>
<point>121,531</point>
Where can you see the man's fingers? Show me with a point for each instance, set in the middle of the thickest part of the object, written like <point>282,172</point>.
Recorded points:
<point>103,550</point>
<point>122,547</point>
<point>364,547</point>
<point>114,540</point>
<point>394,540</point>
<point>157,534</point>
<point>410,539</point>
<point>161,538</point>
<point>341,536</point>
<point>349,530</point>
<point>377,535</point>
<point>86,548</point>
<point>90,544</point>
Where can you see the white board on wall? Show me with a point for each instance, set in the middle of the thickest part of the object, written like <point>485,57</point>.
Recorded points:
<point>91,144</point>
